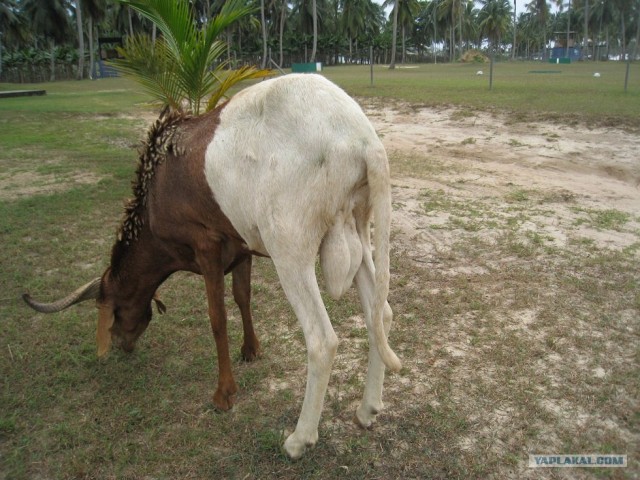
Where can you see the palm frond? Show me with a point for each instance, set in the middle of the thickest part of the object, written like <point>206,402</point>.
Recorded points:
<point>231,77</point>
<point>150,64</point>
<point>190,52</point>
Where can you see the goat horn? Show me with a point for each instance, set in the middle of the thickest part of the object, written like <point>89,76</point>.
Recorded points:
<point>86,292</point>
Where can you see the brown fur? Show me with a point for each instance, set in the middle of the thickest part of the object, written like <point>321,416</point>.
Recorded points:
<point>174,223</point>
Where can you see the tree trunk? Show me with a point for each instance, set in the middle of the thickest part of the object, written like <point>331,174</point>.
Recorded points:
<point>403,45</point>
<point>282,17</point>
<point>513,49</point>
<point>585,42</point>
<point>130,21</point>
<point>52,63</point>
<point>80,75</point>
<point>635,47</point>
<point>263,65</point>
<point>92,59</point>
<point>392,64</point>
<point>315,30</point>
<point>624,40</point>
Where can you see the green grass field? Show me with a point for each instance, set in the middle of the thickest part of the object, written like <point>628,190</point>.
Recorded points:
<point>571,94</point>
<point>66,162</point>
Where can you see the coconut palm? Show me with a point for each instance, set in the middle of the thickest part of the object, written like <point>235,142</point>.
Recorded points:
<point>49,19</point>
<point>495,19</point>
<point>176,68</point>
<point>314,13</point>
<point>357,16</point>
<point>78,12</point>
<point>540,11</point>
<point>94,11</point>
<point>12,25</point>
<point>392,64</point>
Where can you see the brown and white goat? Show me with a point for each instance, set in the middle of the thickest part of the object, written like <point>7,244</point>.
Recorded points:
<point>287,168</point>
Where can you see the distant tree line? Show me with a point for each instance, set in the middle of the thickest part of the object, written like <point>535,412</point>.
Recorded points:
<point>53,39</point>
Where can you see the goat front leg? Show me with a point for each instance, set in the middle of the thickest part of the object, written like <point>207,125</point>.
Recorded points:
<point>242,295</point>
<point>301,287</point>
<point>213,272</point>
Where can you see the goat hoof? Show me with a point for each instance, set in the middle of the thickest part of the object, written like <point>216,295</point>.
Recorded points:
<point>250,353</point>
<point>295,448</point>
<point>365,417</point>
<point>223,401</point>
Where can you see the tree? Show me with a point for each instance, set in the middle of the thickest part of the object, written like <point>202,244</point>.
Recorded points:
<point>540,11</point>
<point>94,11</point>
<point>283,15</point>
<point>49,19</point>
<point>358,17</point>
<point>176,68</point>
<point>12,25</point>
<point>392,64</point>
<point>80,74</point>
<point>264,34</point>
<point>495,19</point>
<point>314,10</point>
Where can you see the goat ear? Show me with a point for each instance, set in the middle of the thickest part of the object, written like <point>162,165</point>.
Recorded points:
<point>106,318</point>
<point>159,305</point>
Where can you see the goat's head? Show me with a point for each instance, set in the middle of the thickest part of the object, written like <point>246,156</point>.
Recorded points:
<point>121,318</point>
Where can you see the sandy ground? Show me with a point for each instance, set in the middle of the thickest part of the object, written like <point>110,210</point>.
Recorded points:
<point>461,176</point>
<point>486,156</point>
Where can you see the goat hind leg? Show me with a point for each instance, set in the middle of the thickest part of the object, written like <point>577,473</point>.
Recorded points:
<point>301,287</point>
<point>242,295</point>
<point>371,403</point>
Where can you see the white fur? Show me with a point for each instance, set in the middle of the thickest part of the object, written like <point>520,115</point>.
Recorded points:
<point>297,168</point>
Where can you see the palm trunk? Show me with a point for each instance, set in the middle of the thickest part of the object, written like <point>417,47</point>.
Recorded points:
<point>80,40</point>
<point>52,63</point>
<point>392,64</point>
<point>130,21</point>
<point>585,42</point>
<point>624,41</point>
<point>635,47</point>
<point>282,17</point>
<point>403,45</point>
<point>91,55</point>
<point>315,30</point>
<point>264,36</point>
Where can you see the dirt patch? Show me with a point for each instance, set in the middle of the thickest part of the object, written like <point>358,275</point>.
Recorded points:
<point>19,184</point>
<point>478,157</point>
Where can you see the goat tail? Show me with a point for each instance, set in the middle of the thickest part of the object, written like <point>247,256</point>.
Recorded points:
<point>380,202</point>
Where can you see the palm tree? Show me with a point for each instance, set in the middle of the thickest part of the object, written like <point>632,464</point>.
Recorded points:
<point>357,17</point>
<point>406,16</point>
<point>49,19</point>
<point>283,15</point>
<point>94,11</point>
<point>264,35</point>
<point>78,10</point>
<point>396,7</point>
<point>495,20</point>
<point>176,69</point>
<point>452,11</point>
<point>314,13</point>
<point>12,25</point>
<point>540,10</point>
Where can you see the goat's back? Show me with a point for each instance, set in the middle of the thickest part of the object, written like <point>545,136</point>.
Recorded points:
<point>288,154</point>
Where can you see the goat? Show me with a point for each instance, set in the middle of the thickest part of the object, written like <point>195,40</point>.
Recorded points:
<point>288,168</point>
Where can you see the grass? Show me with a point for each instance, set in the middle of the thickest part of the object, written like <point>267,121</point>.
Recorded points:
<point>500,332</point>
<point>574,95</point>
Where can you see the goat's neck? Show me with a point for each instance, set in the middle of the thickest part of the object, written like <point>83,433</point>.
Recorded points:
<point>139,268</point>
